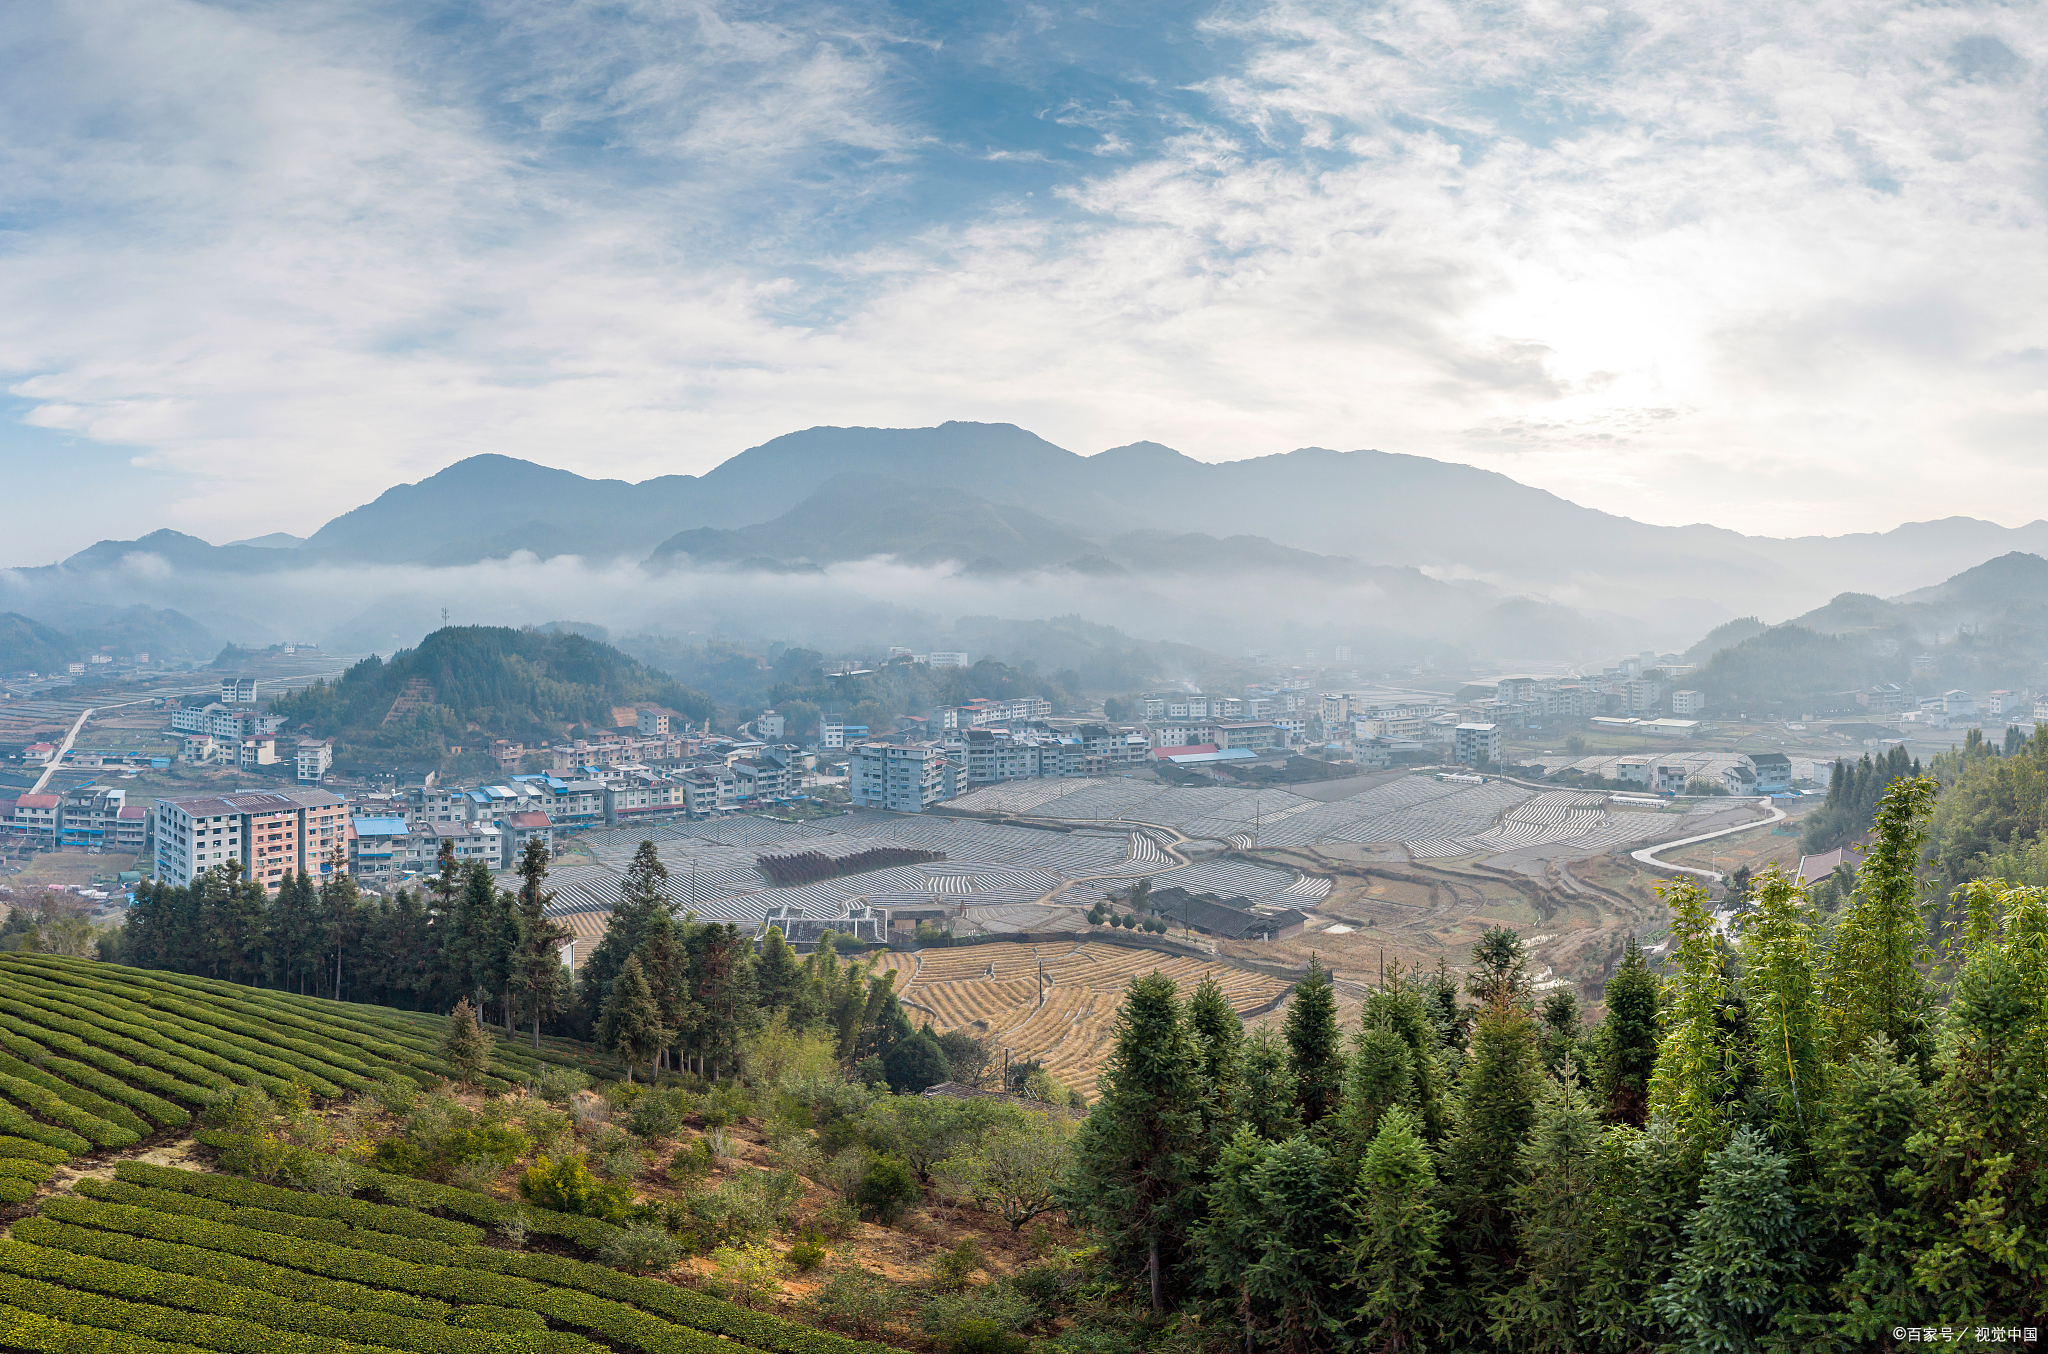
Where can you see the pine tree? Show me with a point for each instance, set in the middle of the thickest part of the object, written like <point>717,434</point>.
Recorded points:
<point>1399,1007</point>
<point>1555,1228</point>
<point>1226,1242</point>
<point>537,967</point>
<point>1219,1042</point>
<point>1870,985</point>
<point>1482,1168</point>
<point>644,893</point>
<point>1266,1088</point>
<point>1293,1279</point>
<point>1646,1182</point>
<point>778,979</point>
<point>1743,1254</point>
<point>1561,1031</point>
<point>1500,968</point>
<point>721,986</point>
<point>1381,1075</point>
<point>629,1023</point>
<point>1398,1232</point>
<point>1138,1152</point>
<point>1868,1162</point>
<point>344,932</point>
<point>464,1044</point>
<point>1315,1049</point>
<point>1983,1186</point>
<point>1695,1065</point>
<point>1627,1041</point>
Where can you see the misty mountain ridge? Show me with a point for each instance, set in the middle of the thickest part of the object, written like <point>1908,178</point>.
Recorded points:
<point>1388,554</point>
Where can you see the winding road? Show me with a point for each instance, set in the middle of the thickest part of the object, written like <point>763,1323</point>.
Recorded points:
<point>1648,855</point>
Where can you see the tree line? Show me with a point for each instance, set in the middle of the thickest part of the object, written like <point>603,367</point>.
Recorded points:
<point>662,989</point>
<point>1795,1137</point>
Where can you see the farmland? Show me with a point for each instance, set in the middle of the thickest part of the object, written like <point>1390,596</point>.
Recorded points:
<point>95,1056</point>
<point>1051,1002</point>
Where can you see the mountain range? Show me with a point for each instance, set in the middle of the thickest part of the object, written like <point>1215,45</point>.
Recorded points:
<point>1394,544</point>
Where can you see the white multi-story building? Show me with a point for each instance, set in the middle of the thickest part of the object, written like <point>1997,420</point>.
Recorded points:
<point>238,690</point>
<point>316,759</point>
<point>905,779</point>
<point>947,660</point>
<point>271,833</point>
<point>1685,704</point>
<point>1479,744</point>
<point>1999,703</point>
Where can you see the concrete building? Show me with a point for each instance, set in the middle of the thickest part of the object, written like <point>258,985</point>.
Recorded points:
<point>1256,735</point>
<point>316,759</point>
<point>953,659</point>
<point>1479,744</point>
<point>269,833</point>
<point>238,690</point>
<point>1669,778</point>
<point>1958,702</point>
<point>1686,704</point>
<point>34,824</point>
<point>1772,772</point>
<point>652,721</point>
<point>905,779</point>
<point>86,816</point>
<point>2000,703</point>
<point>256,749</point>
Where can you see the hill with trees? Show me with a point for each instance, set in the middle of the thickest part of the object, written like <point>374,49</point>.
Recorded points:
<point>1789,668</point>
<point>464,684</point>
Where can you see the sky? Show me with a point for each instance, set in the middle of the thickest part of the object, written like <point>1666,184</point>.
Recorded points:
<point>1776,267</point>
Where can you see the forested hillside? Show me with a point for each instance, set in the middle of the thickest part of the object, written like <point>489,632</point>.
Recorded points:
<point>1790,669</point>
<point>466,683</point>
<point>1853,791</point>
<point>1793,1139</point>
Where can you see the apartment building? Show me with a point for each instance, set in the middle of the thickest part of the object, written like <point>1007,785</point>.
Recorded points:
<point>222,722</point>
<point>238,690</point>
<point>271,833</point>
<point>1256,735</point>
<point>1479,744</point>
<point>34,824</point>
<point>904,779</point>
<point>1685,704</point>
<point>87,816</point>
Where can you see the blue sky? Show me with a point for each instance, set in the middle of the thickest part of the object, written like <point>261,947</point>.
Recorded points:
<point>1776,267</point>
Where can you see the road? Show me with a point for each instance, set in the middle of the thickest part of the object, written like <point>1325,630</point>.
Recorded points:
<point>62,748</point>
<point>1648,855</point>
<point>78,725</point>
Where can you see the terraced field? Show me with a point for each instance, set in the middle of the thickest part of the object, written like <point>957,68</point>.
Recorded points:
<point>100,1057</point>
<point>158,1260</point>
<point>1053,1002</point>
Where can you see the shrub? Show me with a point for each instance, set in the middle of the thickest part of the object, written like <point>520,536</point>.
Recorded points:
<point>557,1085</point>
<point>331,1177</point>
<point>885,1191</point>
<point>836,1219</point>
<point>853,1300</point>
<point>748,1275</point>
<point>998,1305</point>
<point>567,1186</point>
<point>692,1162</point>
<point>979,1335</point>
<point>657,1115</point>
<point>1047,1285</point>
<point>643,1248</point>
<point>808,1252</point>
<point>239,1109</point>
<point>957,1266</point>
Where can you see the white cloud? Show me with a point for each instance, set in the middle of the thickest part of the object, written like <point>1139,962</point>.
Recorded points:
<point>1776,267</point>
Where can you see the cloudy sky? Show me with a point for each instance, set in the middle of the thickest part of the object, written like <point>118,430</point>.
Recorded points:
<point>1779,267</point>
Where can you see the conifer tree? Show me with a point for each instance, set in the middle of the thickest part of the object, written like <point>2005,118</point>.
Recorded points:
<point>345,925</point>
<point>1561,1031</point>
<point>1219,1043</point>
<point>1482,1169</point>
<point>1628,1039</point>
<point>1867,1160</point>
<point>1138,1153</point>
<point>1398,1232</point>
<point>1266,1088</point>
<point>464,1044</point>
<point>1226,1242</point>
<point>1743,1255</point>
<point>778,979</point>
<point>1555,1229</point>
<point>644,896</point>
<point>1315,1049</point>
<point>1500,968</point>
<point>629,1023</point>
<point>1293,1278</point>
<point>537,970</point>
<point>1870,985</point>
<point>1646,1183</point>
<point>1398,1006</point>
<point>1380,1076</point>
